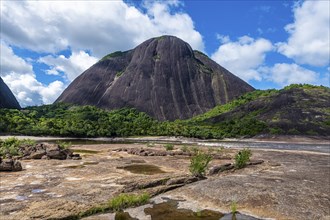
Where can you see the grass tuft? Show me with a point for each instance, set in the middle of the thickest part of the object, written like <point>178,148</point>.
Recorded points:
<point>169,147</point>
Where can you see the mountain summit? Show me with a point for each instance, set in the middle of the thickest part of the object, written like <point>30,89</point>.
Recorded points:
<point>7,99</point>
<point>163,77</point>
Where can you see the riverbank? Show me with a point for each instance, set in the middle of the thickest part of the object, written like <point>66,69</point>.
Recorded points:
<point>291,143</point>
<point>262,138</point>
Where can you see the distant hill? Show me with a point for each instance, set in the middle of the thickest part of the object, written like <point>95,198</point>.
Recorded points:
<point>162,77</point>
<point>294,110</point>
<point>7,99</point>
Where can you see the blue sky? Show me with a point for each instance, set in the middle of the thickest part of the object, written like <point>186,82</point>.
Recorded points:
<point>269,44</point>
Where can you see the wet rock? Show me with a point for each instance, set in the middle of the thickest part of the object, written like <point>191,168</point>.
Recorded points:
<point>218,169</point>
<point>10,165</point>
<point>75,157</point>
<point>255,162</point>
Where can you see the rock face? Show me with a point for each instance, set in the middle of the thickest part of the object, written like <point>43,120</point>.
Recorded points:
<point>163,77</point>
<point>7,99</point>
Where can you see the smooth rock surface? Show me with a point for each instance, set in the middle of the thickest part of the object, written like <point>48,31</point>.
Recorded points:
<point>162,76</point>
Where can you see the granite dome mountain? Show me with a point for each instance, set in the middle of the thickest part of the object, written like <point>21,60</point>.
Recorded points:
<point>163,77</point>
<point>7,99</point>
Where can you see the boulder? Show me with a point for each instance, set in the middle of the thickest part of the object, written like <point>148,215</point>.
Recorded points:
<point>10,165</point>
<point>38,154</point>
<point>57,154</point>
<point>47,151</point>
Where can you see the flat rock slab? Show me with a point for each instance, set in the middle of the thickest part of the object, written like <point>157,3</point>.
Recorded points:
<point>57,188</point>
<point>288,185</point>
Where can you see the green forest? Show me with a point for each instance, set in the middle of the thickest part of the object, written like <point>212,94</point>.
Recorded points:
<point>246,116</point>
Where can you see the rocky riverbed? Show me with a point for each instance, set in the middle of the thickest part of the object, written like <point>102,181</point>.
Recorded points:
<point>288,185</point>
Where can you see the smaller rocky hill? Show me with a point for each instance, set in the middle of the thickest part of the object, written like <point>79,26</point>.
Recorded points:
<point>294,110</point>
<point>7,99</point>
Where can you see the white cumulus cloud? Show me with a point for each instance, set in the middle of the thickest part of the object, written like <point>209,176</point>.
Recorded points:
<point>309,39</point>
<point>97,26</point>
<point>12,63</point>
<point>285,74</point>
<point>243,57</point>
<point>71,67</point>
<point>22,81</point>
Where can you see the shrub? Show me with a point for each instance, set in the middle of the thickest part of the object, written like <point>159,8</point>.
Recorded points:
<point>242,157</point>
<point>63,144</point>
<point>293,131</point>
<point>199,163</point>
<point>185,148</point>
<point>169,147</point>
<point>11,145</point>
<point>276,131</point>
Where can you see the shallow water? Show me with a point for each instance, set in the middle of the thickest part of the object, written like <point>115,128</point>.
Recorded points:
<point>123,216</point>
<point>82,151</point>
<point>145,169</point>
<point>169,210</point>
<point>38,191</point>
<point>21,198</point>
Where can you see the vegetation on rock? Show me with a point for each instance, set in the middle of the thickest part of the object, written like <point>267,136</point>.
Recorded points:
<point>169,147</point>
<point>123,201</point>
<point>242,157</point>
<point>296,109</point>
<point>11,146</point>
<point>199,163</point>
<point>118,203</point>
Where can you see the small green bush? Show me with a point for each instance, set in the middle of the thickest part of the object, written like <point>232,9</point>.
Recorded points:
<point>242,157</point>
<point>63,144</point>
<point>169,147</point>
<point>276,131</point>
<point>185,148</point>
<point>199,163</point>
<point>123,201</point>
<point>11,145</point>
